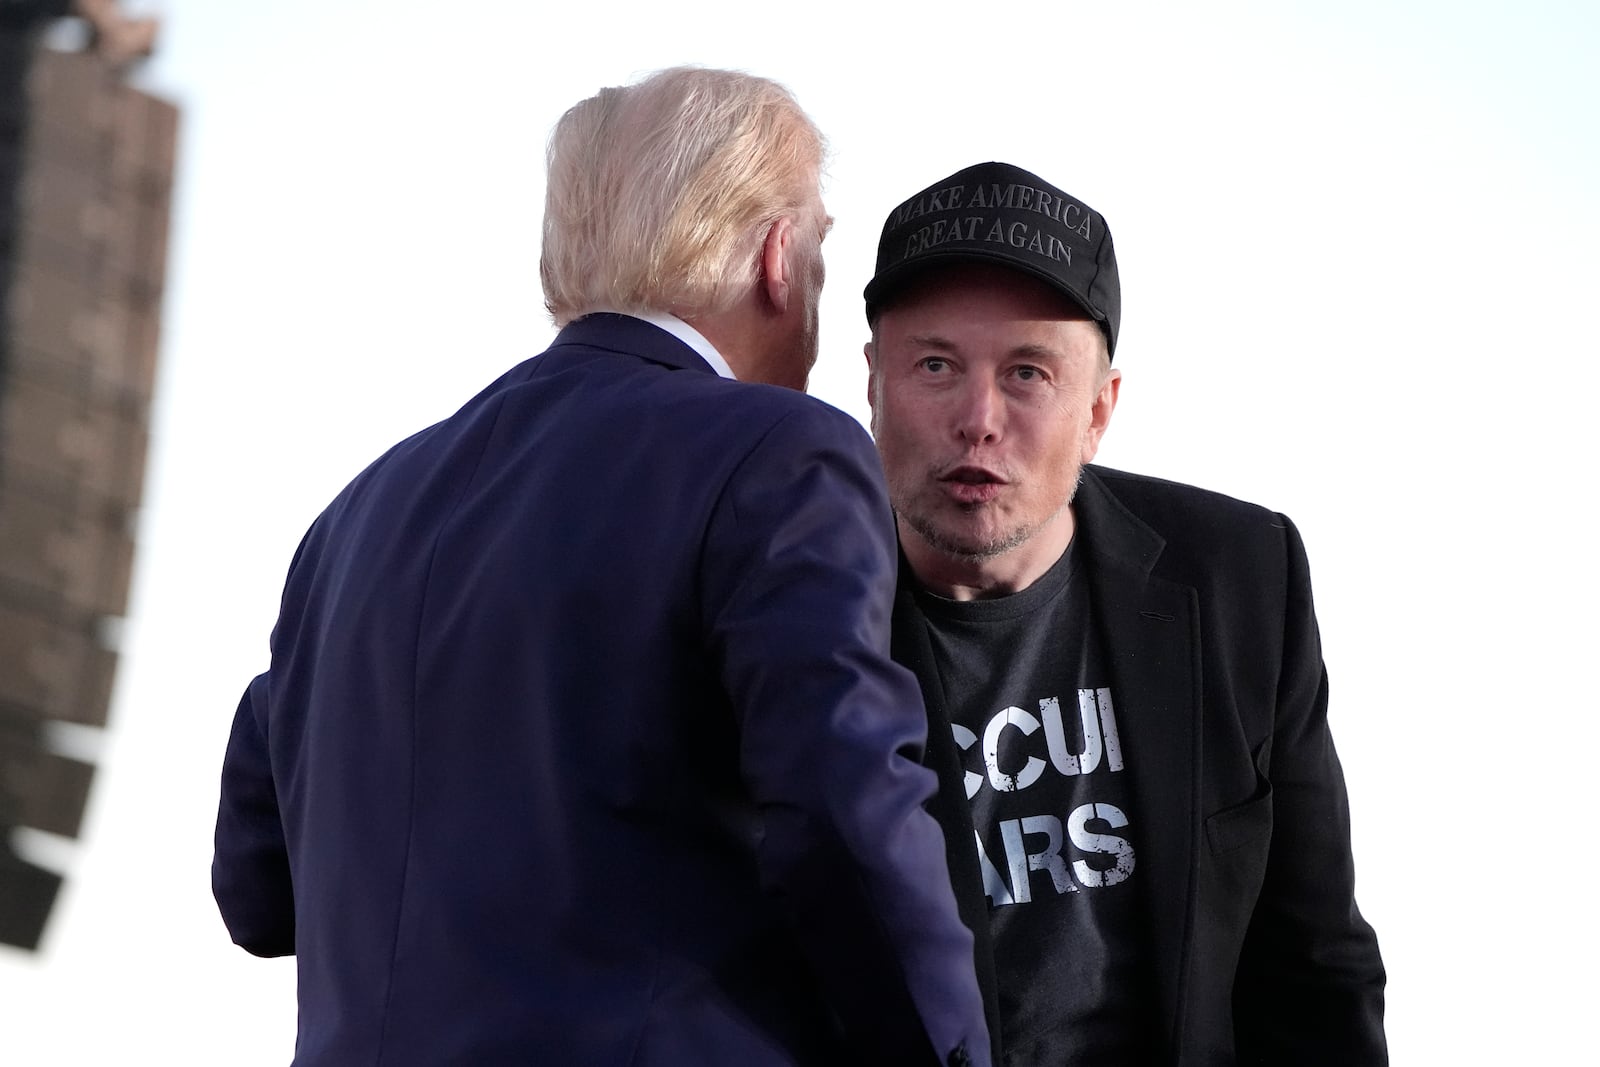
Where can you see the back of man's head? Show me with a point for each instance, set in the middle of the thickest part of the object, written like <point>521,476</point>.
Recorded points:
<point>660,193</point>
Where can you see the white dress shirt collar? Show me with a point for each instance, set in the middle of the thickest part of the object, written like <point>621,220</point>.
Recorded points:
<point>683,332</point>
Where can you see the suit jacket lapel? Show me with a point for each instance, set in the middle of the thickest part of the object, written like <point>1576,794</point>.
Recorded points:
<point>1151,632</point>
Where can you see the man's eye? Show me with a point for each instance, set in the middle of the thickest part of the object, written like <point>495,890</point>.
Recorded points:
<point>934,365</point>
<point>1030,374</point>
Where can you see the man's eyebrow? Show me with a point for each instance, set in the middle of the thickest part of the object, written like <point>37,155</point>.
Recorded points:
<point>1035,352</point>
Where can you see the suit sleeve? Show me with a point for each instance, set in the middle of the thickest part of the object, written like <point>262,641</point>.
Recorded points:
<point>798,583</point>
<point>250,864</point>
<point>1310,985</point>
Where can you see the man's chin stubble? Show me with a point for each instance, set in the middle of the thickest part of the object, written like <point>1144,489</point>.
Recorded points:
<point>965,551</point>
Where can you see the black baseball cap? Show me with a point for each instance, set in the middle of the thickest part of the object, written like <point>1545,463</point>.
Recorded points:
<point>998,213</point>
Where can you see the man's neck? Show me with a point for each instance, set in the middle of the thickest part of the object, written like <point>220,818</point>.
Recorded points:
<point>965,578</point>
<point>739,335</point>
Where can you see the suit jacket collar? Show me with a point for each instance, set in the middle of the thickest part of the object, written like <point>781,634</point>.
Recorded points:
<point>628,336</point>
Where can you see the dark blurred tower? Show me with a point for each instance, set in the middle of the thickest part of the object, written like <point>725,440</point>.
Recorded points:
<point>85,181</point>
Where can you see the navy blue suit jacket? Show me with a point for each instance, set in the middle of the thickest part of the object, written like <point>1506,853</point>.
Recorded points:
<point>580,742</point>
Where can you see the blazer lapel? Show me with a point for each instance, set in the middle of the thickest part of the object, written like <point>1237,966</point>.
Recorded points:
<point>1151,633</point>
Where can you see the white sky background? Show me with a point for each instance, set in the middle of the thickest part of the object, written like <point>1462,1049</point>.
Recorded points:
<point>1356,243</point>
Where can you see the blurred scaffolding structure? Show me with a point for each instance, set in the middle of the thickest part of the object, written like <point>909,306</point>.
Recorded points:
<point>86,165</point>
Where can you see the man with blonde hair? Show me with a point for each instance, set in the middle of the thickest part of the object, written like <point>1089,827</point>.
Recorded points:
<point>580,742</point>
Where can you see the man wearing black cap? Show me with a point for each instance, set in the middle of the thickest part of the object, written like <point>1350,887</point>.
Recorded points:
<point>1124,677</point>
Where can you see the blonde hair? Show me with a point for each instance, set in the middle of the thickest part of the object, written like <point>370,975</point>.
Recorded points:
<point>660,193</point>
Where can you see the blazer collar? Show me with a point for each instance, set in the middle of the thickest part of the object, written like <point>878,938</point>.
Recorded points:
<point>1111,530</point>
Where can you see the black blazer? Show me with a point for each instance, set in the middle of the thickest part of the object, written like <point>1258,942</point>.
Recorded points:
<point>1205,603</point>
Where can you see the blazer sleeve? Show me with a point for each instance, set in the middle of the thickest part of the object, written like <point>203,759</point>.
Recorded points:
<point>798,582</point>
<point>250,864</point>
<point>1310,983</point>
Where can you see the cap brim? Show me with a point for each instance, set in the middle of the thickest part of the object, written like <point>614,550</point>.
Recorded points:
<point>886,283</point>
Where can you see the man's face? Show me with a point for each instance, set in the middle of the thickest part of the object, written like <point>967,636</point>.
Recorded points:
<point>988,393</point>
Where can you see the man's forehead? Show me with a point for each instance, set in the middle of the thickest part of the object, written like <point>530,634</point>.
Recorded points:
<point>942,284</point>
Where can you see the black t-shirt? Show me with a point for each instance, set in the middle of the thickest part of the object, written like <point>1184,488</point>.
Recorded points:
<point>1024,678</point>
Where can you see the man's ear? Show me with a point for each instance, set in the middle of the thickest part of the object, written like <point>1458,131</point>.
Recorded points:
<point>1105,403</point>
<point>775,263</point>
<point>872,392</point>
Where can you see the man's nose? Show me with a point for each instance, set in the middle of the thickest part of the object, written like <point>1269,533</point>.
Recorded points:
<point>982,413</point>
